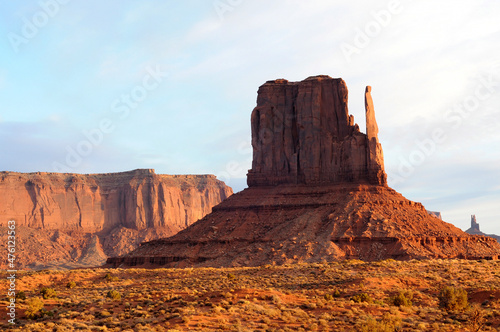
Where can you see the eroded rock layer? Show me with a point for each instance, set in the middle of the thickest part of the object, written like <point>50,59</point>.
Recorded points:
<point>65,217</point>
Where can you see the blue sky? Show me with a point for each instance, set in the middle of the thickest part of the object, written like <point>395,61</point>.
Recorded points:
<point>88,86</point>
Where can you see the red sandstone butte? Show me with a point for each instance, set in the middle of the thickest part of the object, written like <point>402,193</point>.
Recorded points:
<point>68,219</point>
<point>302,134</point>
<point>317,192</point>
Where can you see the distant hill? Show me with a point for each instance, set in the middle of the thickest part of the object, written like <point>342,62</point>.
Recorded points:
<point>474,229</point>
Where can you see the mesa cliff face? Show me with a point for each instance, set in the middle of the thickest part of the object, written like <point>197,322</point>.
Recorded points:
<point>119,208</point>
<point>317,192</point>
<point>297,139</point>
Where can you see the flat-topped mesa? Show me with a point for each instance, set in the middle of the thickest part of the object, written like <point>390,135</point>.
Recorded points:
<point>63,219</point>
<point>302,133</point>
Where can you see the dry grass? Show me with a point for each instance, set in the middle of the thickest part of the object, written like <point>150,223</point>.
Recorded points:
<point>344,296</point>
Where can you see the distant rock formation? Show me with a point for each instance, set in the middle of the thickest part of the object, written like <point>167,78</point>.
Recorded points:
<point>474,229</point>
<point>296,138</point>
<point>474,226</point>
<point>435,214</point>
<point>81,219</point>
<point>317,192</point>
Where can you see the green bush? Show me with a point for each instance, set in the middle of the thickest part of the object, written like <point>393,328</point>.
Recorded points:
<point>35,305</point>
<point>108,277</point>
<point>21,296</point>
<point>388,323</point>
<point>402,299</point>
<point>115,295</point>
<point>71,284</point>
<point>362,297</point>
<point>47,292</point>
<point>451,298</point>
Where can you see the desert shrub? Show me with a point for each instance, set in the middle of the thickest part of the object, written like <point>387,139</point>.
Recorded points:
<point>105,313</point>
<point>71,284</point>
<point>35,305</point>
<point>273,298</point>
<point>21,296</point>
<point>402,299</point>
<point>452,298</point>
<point>354,262</point>
<point>330,297</point>
<point>47,292</point>
<point>309,306</point>
<point>115,295</point>
<point>108,277</point>
<point>388,323</point>
<point>361,297</point>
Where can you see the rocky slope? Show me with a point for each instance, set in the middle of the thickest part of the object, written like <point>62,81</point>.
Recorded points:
<point>285,224</point>
<point>68,219</point>
<point>317,192</point>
